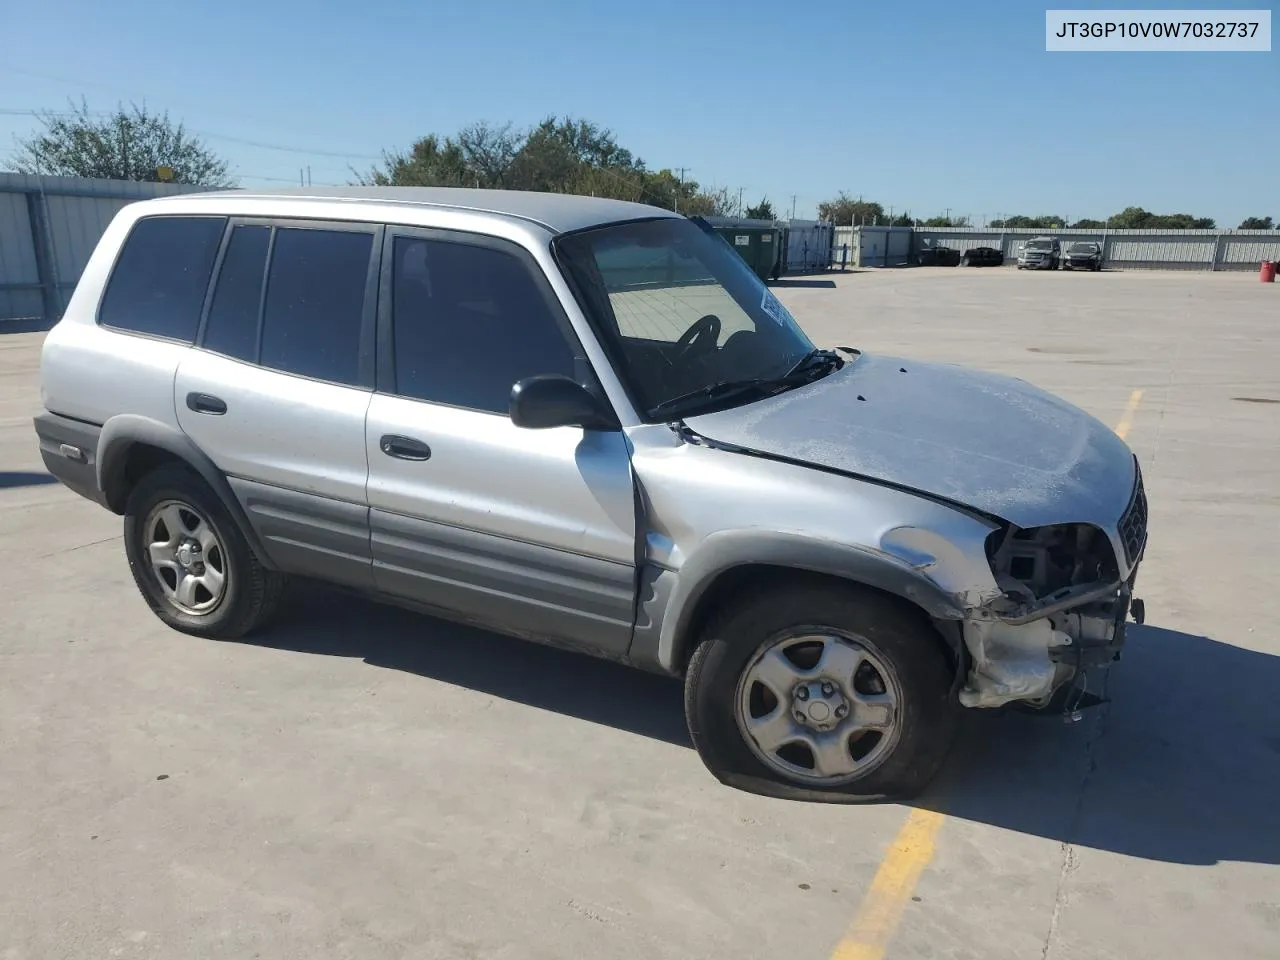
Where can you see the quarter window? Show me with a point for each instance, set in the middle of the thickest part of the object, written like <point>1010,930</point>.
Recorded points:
<point>468,322</point>
<point>160,279</point>
<point>315,303</point>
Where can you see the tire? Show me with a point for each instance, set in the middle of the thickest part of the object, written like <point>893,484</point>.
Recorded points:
<point>240,599</point>
<point>906,658</point>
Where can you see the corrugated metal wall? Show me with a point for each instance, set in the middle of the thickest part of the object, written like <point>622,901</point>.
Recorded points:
<point>1122,249</point>
<point>49,227</point>
<point>808,245</point>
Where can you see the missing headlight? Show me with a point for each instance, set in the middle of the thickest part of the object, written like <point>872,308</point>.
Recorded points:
<point>1040,561</point>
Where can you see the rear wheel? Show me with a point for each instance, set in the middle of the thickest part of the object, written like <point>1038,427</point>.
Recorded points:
<point>821,692</point>
<point>190,561</point>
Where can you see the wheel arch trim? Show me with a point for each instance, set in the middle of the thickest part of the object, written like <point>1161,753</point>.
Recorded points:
<point>123,433</point>
<point>728,551</point>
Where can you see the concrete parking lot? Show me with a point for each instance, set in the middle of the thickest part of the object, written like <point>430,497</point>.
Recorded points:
<point>362,782</point>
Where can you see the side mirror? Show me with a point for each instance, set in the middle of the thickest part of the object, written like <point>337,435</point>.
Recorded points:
<point>553,400</point>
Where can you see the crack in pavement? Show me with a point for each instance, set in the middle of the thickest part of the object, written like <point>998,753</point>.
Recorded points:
<point>1070,858</point>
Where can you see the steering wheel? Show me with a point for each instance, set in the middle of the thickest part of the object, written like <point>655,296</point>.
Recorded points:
<point>702,337</point>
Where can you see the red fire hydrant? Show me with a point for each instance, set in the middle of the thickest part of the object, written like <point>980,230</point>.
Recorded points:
<point>1268,272</point>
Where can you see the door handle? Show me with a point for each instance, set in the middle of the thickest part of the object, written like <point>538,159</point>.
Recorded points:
<point>404,448</point>
<point>206,403</point>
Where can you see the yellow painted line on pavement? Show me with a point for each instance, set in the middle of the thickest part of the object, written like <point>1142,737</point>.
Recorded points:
<point>1126,421</point>
<point>894,882</point>
<point>912,849</point>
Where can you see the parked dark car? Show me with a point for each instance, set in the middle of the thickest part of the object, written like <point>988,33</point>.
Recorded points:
<point>938,257</point>
<point>1085,255</point>
<point>982,257</point>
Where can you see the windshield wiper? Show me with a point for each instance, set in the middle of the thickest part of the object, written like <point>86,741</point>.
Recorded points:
<point>721,390</point>
<point>815,361</point>
<point>812,365</point>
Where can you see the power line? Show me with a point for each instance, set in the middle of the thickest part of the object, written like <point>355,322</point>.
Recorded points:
<point>211,134</point>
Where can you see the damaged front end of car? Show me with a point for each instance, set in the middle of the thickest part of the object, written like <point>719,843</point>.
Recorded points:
<point>1066,593</point>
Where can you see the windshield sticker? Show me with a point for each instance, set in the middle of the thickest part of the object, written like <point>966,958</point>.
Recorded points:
<point>774,308</point>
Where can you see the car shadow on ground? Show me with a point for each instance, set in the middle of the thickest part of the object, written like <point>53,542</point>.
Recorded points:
<point>24,478</point>
<point>800,283</point>
<point>1183,765</point>
<point>26,325</point>
<point>317,620</point>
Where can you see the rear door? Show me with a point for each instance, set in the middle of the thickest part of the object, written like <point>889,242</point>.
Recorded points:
<point>277,390</point>
<point>528,531</point>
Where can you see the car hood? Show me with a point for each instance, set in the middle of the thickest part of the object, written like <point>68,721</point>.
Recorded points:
<point>992,443</point>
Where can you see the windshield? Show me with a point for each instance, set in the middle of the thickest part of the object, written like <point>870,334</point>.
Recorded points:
<point>680,313</point>
<point>1084,248</point>
<point>1039,245</point>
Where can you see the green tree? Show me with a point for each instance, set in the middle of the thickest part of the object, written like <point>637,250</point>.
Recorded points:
<point>487,152</point>
<point>1087,224</point>
<point>128,144</point>
<point>902,220</point>
<point>846,211</point>
<point>1136,218</point>
<point>430,162</point>
<point>945,222</point>
<point>761,211</point>
<point>1256,223</point>
<point>710,203</point>
<point>1044,221</point>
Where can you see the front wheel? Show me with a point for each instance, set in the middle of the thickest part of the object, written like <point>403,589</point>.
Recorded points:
<point>190,561</point>
<point>821,692</point>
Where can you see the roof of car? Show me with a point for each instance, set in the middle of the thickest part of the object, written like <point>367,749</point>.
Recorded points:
<point>558,212</point>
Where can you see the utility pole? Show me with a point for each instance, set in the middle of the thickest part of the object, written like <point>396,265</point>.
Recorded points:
<point>681,190</point>
<point>740,191</point>
<point>948,216</point>
<point>793,206</point>
<point>308,174</point>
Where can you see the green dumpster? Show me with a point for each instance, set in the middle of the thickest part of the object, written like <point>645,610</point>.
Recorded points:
<point>758,242</point>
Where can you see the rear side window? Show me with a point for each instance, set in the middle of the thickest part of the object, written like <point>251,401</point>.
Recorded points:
<point>159,281</point>
<point>315,303</point>
<point>232,327</point>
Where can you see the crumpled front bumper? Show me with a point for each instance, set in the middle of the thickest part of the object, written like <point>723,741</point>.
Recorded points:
<point>1029,661</point>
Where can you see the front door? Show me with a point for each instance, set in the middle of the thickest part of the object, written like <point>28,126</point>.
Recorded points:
<point>529,531</point>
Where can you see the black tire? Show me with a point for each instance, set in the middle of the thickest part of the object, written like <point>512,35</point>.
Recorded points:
<point>890,630</point>
<point>251,592</point>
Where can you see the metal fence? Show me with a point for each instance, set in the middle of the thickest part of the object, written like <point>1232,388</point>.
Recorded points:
<point>48,228</point>
<point>1121,249</point>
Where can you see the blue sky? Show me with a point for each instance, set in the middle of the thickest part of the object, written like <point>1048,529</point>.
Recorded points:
<point>922,105</point>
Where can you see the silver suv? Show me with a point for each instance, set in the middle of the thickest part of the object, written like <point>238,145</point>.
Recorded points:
<point>588,423</point>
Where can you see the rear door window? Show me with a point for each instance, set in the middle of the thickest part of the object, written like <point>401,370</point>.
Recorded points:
<point>232,327</point>
<point>315,305</point>
<point>159,281</point>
